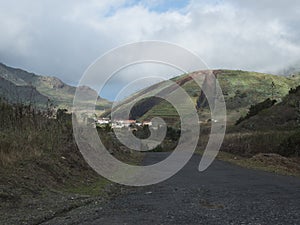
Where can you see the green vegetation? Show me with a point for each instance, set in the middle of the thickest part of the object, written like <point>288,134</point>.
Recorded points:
<point>290,146</point>
<point>267,139</point>
<point>241,89</point>
<point>255,109</point>
<point>27,133</point>
<point>265,162</point>
<point>42,172</point>
<point>39,158</point>
<point>40,143</point>
<point>250,143</point>
<point>168,144</point>
<point>264,107</point>
<point>284,116</point>
<point>96,188</point>
<point>37,151</point>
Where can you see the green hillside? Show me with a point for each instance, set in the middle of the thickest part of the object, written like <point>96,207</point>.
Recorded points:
<point>268,129</point>
<point>241,89</point>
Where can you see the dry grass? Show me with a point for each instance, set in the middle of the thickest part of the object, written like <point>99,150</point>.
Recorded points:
<point>257,150</point>
<point>31,138</point>
<point>265,162</point>
<point>251,143</point>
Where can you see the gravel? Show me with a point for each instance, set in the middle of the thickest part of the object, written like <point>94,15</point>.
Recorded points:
<point>223,194</point>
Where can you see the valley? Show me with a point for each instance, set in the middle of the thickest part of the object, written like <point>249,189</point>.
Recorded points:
<point>45,179</point>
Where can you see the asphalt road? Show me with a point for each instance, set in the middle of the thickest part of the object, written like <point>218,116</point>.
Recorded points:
<point>223,194</point>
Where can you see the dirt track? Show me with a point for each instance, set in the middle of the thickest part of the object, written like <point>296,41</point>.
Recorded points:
<point>224,194</point>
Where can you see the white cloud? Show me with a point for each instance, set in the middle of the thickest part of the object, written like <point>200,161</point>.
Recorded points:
<point>155,72</point>
<point>63,37</point>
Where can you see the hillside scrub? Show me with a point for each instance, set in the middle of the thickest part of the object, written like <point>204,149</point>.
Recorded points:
<point>241,90</point>
<point>255,109</point>
<point>42,168</point>
<point>27,133</point>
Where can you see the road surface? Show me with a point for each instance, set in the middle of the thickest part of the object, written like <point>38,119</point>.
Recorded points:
<point>223,194</point>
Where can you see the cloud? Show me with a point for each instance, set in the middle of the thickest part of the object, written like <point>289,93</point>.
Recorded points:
<point>135,77</point>
<point>62,38</point>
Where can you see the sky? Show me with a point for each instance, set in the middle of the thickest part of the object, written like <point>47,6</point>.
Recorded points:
<point>62,38</point>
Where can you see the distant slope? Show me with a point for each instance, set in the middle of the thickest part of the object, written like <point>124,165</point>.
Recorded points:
<point>241,89</point>
<point>20,86</point>
<point>21,93</point>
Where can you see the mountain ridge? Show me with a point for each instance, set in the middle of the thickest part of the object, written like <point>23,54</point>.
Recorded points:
<point>20,86</point>
<point>241,89</point>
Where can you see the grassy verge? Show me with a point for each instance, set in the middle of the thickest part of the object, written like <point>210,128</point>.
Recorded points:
<point>95,188</point>
<point>265,162</point>
<point>101,186</point>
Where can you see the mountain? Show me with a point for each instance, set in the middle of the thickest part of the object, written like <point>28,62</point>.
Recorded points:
<point>241,89</point>
<point>20,86</point>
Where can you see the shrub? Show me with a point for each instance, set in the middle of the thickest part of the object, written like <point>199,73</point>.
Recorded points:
<point>28,133</point>
<point>291,145</point>
<point>255,109</point>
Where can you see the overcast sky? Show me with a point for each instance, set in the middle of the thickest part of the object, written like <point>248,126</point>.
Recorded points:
<point>62,38</point>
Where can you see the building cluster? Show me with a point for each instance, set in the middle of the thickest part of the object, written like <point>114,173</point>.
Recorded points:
<point>120,123</point>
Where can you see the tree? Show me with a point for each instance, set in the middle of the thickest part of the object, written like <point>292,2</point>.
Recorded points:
<point>273,87</point>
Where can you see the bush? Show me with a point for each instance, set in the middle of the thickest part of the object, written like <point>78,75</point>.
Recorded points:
<point>291,145</point>
<point>27,133</point>
<point>255,109</point>
<point>249,144</point>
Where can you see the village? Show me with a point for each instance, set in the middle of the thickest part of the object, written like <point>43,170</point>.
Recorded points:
<point>121,123</point>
